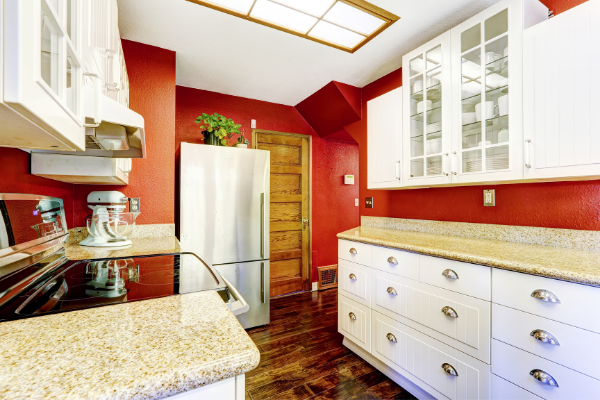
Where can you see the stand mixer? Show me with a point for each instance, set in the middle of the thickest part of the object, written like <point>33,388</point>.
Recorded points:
<point>109,224</point>
<point>50,211</point>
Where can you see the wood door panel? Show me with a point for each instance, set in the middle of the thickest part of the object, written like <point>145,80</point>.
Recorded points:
<point>286,184</point>
<point>291,268</point>
<point>283,154</point>
<point>285,254</point>
<point>286,240</point>
<point>286,226</point>
<point>278,139</point>
<point>284,286</point>
<point>286,169</point>
<point>286,198</point>
<point>286,212</point>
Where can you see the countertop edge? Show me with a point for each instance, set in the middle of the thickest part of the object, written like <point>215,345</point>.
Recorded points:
<point>457,255</point>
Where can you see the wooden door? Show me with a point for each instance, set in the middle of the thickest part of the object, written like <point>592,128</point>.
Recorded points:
<point>290,197</point>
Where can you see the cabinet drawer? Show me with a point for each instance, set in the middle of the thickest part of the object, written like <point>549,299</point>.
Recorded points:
<point>354,321</point>
<point>419,306</point>
<point>354,251</point>
<point>470,279</point>
<point>354,281</point>
<point>396,262</point>
<point>515,366</point>
<point>578,303</point>
<point>574,349</point>
<point>407,350</point>
<point>505,390</point>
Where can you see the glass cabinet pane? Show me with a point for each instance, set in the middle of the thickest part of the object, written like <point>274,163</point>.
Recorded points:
<point>416,65</point>
<point>496,25</point>
<point>72,21</point>
<point>72,92</point>
<point>434,57</point>
<point>50,56</point>
<point>416,168</point>
<point>470,38</point>
<point>471,161</point>
<point>496,158</point>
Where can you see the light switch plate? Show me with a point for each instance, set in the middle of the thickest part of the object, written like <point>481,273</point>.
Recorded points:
<point>356,202</point>
<point>253,124</point>
<point>368,202</point>
<point>489,198</point>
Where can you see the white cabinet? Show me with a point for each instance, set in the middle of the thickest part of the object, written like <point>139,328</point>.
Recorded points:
<point>227,389</point>
<point>427,113</point>
<point>487,76</point>
<point>384,140</point>
<point>41,103</point>
<point>81,170</point>
<point>561,84</point>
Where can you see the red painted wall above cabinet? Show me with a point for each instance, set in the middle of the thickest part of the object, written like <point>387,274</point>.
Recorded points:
<point>331,108</point>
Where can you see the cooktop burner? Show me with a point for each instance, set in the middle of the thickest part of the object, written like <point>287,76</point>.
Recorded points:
<point>76,285</point>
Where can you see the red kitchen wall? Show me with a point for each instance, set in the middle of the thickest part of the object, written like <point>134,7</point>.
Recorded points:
<point>152,94</point>
<point>333,202</point>
<point>569,205</point>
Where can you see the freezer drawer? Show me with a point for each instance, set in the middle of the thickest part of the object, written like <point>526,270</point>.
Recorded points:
<point>251,279</point>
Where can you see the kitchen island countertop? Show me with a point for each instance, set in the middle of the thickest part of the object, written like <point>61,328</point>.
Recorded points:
<point>139,247</point>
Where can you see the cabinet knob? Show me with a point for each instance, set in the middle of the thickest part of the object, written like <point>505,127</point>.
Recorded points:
<point>545,295</point>
<point>392,260</point>
<point>391,338</point>
<point>449,369</point>
<point>450,312</point>
<point>391,290</point>
<point>352,276</point>
<point>544,337</point>
<point>352,316</point>
<point>353,251</point>
<point>450,274</point>
<point>543,377</point>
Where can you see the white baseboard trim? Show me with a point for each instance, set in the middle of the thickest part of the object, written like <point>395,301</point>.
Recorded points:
<point>389,372</point>
<point>315,286</point>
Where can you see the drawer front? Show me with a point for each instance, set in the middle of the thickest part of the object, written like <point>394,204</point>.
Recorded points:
<point>396,262</point>
<point>470,279</point>
<point>354,281</point>
<point>354,321</point>
<point>578,303</point>
<point>423,304</point>
<point>406,349</point>
<point>515,365</point>
<point>354,251</point>
<point>504,390</point>
<point>574,346</point>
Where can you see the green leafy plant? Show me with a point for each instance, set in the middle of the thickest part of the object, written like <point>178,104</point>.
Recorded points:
<point>221,127</point>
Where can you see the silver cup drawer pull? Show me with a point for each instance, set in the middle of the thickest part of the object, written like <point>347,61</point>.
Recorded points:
<point>392,260</point>
<point>352,316</point>
<point>353,251</point>
<point>545,295</point>
<point>450,274</point>
<point>543,377</point>
<point>544,337</point>
<point>450,312</point>
<point>449,369</point>
<point>391,290</point>
<point>391,338</point>
<point>352,277</point>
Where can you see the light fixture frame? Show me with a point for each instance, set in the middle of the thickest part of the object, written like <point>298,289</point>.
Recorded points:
<point>362,5</point>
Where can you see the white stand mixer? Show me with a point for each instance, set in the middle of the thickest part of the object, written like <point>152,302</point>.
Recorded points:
<point>110,224</point>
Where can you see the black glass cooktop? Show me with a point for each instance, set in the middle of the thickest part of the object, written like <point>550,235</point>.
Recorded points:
<point>73,285</point>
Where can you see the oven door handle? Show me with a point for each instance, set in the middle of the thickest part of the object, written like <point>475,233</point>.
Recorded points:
<point>239,306</point>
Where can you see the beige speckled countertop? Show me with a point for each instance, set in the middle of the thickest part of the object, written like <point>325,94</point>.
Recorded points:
<point>139,247</point>
<point>573,265</point>
<point>148,349</point>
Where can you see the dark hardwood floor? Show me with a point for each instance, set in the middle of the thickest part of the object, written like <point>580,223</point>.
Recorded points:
<point>302,356</point>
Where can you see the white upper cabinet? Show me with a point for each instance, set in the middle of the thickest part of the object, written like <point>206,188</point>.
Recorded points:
<point>41,103</point>
<point>427,113</point>
<point>561,85</point>
<point>384,140</point>
<point>487,76</point>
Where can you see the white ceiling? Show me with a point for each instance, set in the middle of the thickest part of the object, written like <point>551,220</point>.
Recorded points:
<point>226,54</point>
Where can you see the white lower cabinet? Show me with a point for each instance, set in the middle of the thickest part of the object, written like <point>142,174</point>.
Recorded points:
<point>227,389</point>
<point>448,371</point>
<point>505,390</point>
<point>354,321</point>
<point>354,281</point>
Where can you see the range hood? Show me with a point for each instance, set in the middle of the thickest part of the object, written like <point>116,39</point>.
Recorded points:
<point>113,130</point>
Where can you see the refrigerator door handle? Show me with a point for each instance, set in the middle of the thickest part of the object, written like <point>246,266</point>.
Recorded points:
<point>239,306</point>
<point>262,225</point>
<point>262,281</point>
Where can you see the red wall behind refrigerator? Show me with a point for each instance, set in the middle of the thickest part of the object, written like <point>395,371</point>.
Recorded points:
<point>332,201</point>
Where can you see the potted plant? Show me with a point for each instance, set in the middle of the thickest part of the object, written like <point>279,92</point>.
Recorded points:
<point>217,128</point>
<point>242,141</point>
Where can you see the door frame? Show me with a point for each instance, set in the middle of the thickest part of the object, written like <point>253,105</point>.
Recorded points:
<point>308,285</point>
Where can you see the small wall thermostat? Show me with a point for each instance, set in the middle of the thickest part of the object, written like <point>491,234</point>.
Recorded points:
<point>349,179</point>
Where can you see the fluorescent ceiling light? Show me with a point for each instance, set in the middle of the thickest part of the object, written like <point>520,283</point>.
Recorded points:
<point>242,6</point>
<point>313,7</point>
<point>352,18</point>
<point>282,16</point>
<point>336,35</point>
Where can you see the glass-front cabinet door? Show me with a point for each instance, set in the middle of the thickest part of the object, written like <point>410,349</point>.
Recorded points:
<point>427,113</point>
<point>42,68</point>
<point>488,96</point>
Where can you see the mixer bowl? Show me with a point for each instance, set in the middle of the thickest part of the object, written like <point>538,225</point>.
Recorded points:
<point>112,227</point>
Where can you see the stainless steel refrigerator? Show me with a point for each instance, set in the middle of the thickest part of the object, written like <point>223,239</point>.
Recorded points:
<point>224,218</point>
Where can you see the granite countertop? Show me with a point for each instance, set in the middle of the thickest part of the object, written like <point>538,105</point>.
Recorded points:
<point>148,349</point>
<point>139,247</point>
<point>568,264</point>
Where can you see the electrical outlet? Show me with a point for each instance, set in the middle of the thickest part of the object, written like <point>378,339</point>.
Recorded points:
<point>356,202</point>
<point>489,198</point>
<point>368,202</point>
<point>134,204</point>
